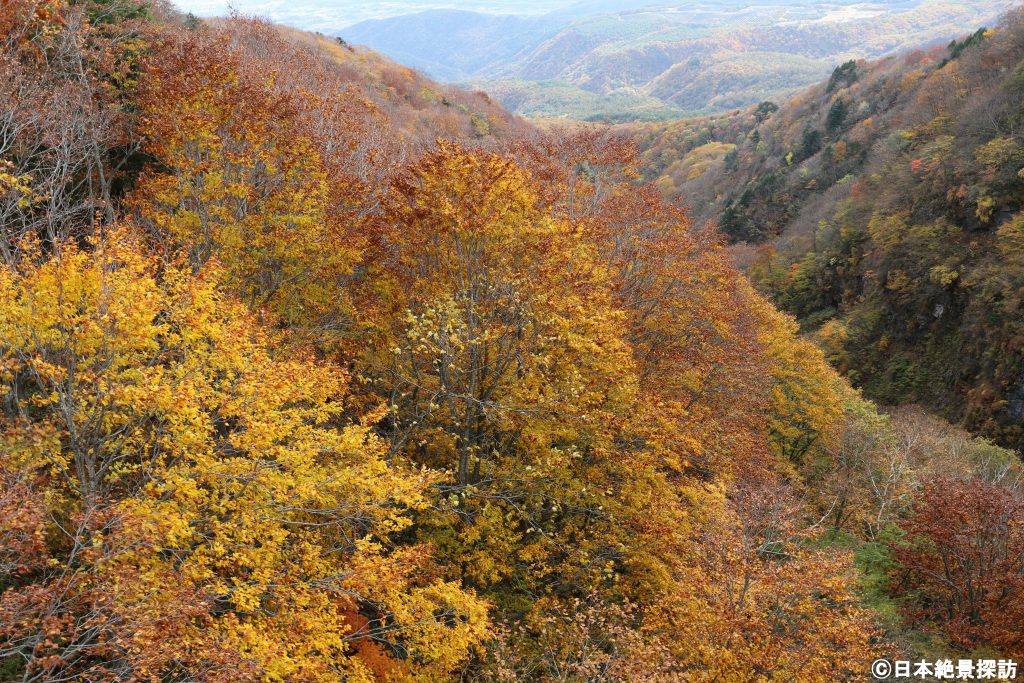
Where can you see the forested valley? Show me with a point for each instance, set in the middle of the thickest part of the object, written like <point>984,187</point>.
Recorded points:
<point>883,209</point>
<point>315,370</point>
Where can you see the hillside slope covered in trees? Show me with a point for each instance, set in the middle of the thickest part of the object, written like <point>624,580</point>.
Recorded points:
<point>888,203</point>
<point>293,390</point>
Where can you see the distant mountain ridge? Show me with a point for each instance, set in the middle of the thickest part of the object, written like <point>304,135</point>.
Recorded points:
<point>658,60</point>
<point>452,45</point>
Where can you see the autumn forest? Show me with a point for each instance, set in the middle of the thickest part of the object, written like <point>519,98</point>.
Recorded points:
<point>313,369</point>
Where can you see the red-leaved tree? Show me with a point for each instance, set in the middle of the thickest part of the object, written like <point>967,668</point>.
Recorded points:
<point>963,561</point>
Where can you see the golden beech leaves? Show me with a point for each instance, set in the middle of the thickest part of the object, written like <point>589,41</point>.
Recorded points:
<point>507,366</point>
<point>188,467</point>
<point>500,333</point>
<point>806,399</point>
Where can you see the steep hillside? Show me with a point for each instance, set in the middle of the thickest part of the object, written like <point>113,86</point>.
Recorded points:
<point>888,200</point>
<point>703,57</point>
<point>418,109</point>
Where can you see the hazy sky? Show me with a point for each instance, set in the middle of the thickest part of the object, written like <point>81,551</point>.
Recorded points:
<point>331,15</point>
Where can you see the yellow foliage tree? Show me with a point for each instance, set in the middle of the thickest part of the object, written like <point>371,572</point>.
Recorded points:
<point>208,514</point>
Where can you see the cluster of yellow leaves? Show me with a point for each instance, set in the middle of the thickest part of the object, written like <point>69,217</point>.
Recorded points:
<point>20,185</point>
<point>199,467</point>
<point>806,396</point>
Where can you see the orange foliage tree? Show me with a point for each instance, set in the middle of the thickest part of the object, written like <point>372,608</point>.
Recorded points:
<point>257,174</point>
